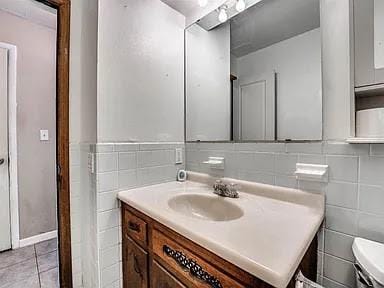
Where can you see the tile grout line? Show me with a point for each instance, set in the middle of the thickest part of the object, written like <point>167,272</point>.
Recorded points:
<point>37,265</point>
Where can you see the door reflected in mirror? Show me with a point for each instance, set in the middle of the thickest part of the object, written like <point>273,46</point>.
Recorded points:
<point>379,33</point>
<point>256,77</point>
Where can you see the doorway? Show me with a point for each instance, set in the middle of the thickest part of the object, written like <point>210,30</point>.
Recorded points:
<point>256,108</point>
<point>5,218</point>
<point>21,242</point>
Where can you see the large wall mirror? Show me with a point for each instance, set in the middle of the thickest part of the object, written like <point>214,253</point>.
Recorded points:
<point>257,76</point>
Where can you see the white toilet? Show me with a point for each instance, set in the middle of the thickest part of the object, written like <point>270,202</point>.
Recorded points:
<point>369,263</point>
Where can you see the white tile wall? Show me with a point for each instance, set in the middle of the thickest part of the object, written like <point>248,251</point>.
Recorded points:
<point>83,218</point>
<point>342,194</point>
<point>339,270</point>
<point>372,199</point>
<point>354,194</point>
<point>338,244</point>
<point>76,237</point>
<point>344,168</point>
<point>119,167</point>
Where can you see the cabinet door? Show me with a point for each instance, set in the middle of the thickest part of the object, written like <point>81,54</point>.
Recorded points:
<point>161,278</point>
<point>135,266</point>
<point>364,34</point>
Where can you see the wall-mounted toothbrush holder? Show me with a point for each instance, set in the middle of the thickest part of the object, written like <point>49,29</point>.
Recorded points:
<point>312,172</point>
<point>215,163</point>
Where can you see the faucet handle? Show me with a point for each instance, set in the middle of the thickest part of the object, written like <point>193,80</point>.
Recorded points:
<point>234,186</point>
<point>218,182</point>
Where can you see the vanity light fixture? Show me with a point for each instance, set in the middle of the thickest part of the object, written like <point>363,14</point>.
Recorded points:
<point>240,5</point>
<point>203,3</point>
<point>223,16</point>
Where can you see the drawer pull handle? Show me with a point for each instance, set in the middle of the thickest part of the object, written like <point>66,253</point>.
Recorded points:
<point>136,266</point>
<point>192,267</point>
<point>134,226</point>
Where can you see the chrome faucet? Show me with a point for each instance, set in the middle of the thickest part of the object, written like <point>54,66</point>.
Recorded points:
<point>225,190</point>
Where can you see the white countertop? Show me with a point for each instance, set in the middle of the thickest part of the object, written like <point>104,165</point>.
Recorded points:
<point>268,241</point>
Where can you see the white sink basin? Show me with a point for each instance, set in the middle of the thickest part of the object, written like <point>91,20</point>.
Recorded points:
<point>274,226</point>
<point>206,207</point>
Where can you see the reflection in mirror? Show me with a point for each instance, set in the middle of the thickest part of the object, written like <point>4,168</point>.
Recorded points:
<point>379,33</point>
<point>256,77</point>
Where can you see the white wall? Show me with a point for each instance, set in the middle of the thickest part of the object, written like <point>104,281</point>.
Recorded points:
<point>83,71</point>
<point>297,62</point>
<point>338,81</point>
<point>110,100</point>
<point>208,83</point>
<point>140,72</point>
<point>83,101</point>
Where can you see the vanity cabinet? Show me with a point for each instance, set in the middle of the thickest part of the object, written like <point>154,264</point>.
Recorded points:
<point>158,257</point>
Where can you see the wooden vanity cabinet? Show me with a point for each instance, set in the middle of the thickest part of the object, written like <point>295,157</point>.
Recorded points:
<point>155,256</point>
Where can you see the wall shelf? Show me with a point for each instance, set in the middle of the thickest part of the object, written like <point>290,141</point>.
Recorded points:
<point>311,172</point>
<point>357,140</point>
<point>368,91</point>
<point>215,163</point>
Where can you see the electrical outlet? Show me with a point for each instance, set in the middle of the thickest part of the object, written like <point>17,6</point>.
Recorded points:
<point>179,156</point>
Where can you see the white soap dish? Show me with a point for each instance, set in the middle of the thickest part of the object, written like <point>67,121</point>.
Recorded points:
<point>215,163</point>
<point>312,172</point>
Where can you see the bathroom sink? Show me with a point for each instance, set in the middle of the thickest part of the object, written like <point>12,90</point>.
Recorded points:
<point>206,207</point>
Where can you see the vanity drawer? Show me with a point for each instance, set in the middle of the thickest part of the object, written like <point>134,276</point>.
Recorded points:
<point>177,258</point>
<point>135,265</point>
<point>136,228</point>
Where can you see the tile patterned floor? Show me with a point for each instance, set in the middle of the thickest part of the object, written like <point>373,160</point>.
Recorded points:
<point>35,266</point>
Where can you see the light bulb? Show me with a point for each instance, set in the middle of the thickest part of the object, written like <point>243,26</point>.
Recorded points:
<point>240,5</point>
<point>203,3</point>
<point>223,15</point>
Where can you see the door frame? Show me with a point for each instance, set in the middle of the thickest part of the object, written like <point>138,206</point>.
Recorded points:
<point>12,144</point>
<point>63,8</point>
<point>62,141</point>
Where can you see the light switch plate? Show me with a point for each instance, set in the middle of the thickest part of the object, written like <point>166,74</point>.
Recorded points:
<point>44,135</point>
<point>179,156</point>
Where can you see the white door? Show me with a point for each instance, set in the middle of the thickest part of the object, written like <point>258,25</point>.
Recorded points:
<point>257,109</point>
<point>253,98</point>
<point>5,223</point>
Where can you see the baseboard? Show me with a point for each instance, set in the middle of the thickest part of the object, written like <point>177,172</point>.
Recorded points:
<point>38,238</point>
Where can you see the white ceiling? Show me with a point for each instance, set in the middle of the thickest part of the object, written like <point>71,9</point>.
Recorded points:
<point>192,10</point>
<point>185,7</point>
<point>272,21</point>
<point>31,10</point>
<point>261,25</point>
